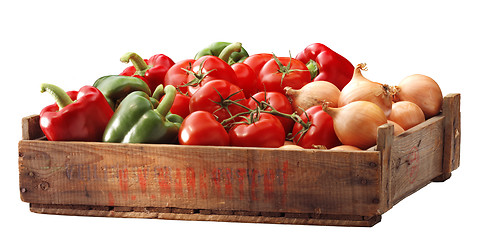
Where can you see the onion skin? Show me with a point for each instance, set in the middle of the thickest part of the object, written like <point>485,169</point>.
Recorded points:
<point>363,89</point>
<point>345,148</point>
<point>312,94</point>
<point>357,123</point>
<point>397,129</point>
<point>291,146</point>
<point>406,114</point>
<point>421,90</point>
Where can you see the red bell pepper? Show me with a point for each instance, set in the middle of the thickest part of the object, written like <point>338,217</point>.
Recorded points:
<point>82,120</point>
<point>152,70</point>
<point>326,65</point>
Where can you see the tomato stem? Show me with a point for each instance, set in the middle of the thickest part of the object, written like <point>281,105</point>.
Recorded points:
<point>284,70</point>
<point>198,76</point>
<point>254,114</point>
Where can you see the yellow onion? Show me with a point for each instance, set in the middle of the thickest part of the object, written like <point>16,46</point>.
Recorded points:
<point>345,148</point>
<point>312,94</point>
<point>421,90</point>
<point>397,129</point>
<point>290,145</point>
<point>406,114</point>
<point>357,123</point>
<point>363,89</point>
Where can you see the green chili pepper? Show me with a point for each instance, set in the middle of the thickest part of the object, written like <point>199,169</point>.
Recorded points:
<point>116,87</point>
<point>137,121</point>
<point>229,52</point>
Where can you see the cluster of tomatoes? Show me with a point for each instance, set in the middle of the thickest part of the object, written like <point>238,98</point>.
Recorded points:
<point>222,104</point>
<point>243,103</point>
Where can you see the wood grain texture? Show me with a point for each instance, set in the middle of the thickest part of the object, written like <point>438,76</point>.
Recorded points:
<point>222,178</point>
<point>452,135</point>
<point>278,218</point>
<point>416,158</point>
<point>384,146</point>
<point>233,184</point>
<point>30,128</point>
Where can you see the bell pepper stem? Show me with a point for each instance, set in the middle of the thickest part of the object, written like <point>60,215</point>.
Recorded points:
<point>61,97</point>
<point>167,102</point>
<point>158,92</point>
<point>227,51</point>
<point>137,61</point>
<point>313,67</point>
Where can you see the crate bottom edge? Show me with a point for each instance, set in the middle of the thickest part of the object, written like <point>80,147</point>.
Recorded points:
<point>206,215</point>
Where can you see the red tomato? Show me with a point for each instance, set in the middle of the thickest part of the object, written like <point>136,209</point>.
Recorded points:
<point>201,128</point>
<point>178,76</point>
<point>279,102</point>
<point>256,61</point>
<point>211,98</point>
<point>266,131</point>
<point>246,78</point>
<point>321,132</point>
<point>285,72</point>
<point>198,72</point>
<point>181,105</point>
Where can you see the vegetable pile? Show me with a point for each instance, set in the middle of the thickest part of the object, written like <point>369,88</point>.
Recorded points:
<point>226,97</point>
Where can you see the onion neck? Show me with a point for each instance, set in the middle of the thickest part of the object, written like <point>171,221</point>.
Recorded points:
<point>333,112</point>
<point>357,72</point>
<point>291,93</point>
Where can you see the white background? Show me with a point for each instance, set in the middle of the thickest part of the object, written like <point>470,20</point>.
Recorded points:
<point>72,43</point>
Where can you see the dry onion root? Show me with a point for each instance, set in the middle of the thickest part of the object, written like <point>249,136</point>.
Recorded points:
<point>363,89</point>
<point>312,94</point>
<point>357,123</point>
<point>421,90</point>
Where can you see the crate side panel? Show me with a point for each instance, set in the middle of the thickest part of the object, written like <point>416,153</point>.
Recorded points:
<point>31,128</point>
<point>416,158</point>
<point>249,179</point>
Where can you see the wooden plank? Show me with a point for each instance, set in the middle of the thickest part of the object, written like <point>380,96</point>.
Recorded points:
<point>30,128</point>
<point>197,177</point>
<point>265,218</point>
<point>452,135</point>
<point>384,146</point>
<point>416,158</point>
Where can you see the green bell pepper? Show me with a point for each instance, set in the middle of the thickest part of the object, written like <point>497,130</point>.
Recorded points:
<point>116,87</point>
<point>137,121</point>
<point>229,52</point>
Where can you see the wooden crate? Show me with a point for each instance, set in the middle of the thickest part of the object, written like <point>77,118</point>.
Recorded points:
<point>235,184</point>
